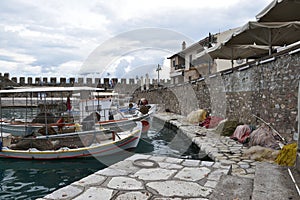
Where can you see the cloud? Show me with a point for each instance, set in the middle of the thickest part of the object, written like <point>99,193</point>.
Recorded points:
<point>46,35</point>
<point>17,57</point>
<point>140,43</point>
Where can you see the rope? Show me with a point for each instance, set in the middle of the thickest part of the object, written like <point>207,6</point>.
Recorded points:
<point>291,175</point>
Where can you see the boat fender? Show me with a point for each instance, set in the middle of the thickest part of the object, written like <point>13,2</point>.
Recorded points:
<point>145,125</point>
<point>77,127</point>
<point>0,145</point>
<point>113,134</point>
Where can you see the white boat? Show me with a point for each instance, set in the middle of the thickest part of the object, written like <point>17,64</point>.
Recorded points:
<point>84,101</point>
<point>108,114</point>
<point>124,120</point>
<point>62,139</point>
<point>94,143</point>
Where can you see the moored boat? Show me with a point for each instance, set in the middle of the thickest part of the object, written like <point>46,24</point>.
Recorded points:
<point>73,145</point>
<point>62,134</point>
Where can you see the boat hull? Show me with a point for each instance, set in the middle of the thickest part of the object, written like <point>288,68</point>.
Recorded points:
<point>27,129</point>
<point>98,150</point>
<point>19,130</point>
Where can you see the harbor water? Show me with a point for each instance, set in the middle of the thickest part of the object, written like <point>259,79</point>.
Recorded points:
<point>31,179</point>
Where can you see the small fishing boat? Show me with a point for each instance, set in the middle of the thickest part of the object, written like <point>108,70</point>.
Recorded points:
<point>40,106</point>
<point>73,145</point>
<point>62,133</point>
<point>114,116</point>
<point>119,119</point>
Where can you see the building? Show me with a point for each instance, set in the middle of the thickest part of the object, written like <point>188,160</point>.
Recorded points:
<point>193,62</point>
<point>186,65</point>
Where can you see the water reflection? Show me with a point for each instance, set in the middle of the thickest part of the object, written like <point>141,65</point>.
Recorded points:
<point>168,142</point>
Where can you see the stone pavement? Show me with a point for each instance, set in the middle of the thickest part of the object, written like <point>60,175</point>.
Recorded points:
<point>161,178</point>
<point>147,177</point>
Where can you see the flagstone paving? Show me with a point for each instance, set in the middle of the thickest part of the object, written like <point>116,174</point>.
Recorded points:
<point>161,178</point>
<point>170,178</point>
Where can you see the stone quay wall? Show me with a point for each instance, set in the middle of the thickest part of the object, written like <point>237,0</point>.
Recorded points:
<point>267,88</point>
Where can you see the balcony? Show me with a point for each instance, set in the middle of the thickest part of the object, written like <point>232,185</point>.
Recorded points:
<point>179,66</point>
<point>177,73</point>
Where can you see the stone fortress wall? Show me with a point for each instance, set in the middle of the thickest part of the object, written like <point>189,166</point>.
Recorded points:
<point>122,86</point>
<point>81,81</point>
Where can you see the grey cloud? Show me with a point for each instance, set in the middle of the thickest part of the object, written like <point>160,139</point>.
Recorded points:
<point>197,23</point>
<point>131,41</point>
<point>6,58</point>
<point>178,25</point>
<point>140,65</point>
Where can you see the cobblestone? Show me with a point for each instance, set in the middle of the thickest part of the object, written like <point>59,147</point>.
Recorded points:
<point>221,149</point>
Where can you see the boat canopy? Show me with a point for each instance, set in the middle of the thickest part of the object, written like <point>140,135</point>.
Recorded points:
<point>104,94</point>
<point>50,89</point>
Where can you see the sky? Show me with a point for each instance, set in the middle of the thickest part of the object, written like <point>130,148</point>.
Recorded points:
<point>98,38</point>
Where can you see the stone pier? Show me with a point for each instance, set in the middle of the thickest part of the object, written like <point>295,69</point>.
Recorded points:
<point>157,178</point>
<point>147,177</point>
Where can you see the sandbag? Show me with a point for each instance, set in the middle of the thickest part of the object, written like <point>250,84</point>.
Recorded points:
<point>144,109</point>
<point>287,155</point>
<point>241,133</point>
<point>227,127</point>
<point>25,144</point>
<point>44,118</point>
<point>264,136</point>
<point>196,116</point>
<point>211,122</point>
<point>259,153</point>
<point>50,131</point>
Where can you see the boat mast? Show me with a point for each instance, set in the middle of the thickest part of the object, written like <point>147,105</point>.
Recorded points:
<point>26,106</point>
<point>45,110</point>
<point>31,105</point>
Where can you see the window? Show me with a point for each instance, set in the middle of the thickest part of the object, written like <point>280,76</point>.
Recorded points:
<point>173,63</point>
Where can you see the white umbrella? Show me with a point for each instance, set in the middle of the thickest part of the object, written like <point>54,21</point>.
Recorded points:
<point>266,33</point>
<point>235,52</point>
<point>280,11</point>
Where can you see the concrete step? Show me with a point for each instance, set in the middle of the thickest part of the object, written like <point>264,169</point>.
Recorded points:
<point>233,187</point>
<point>273,182</point>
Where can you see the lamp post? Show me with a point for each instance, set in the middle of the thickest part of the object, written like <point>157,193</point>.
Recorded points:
<point>158,69</point>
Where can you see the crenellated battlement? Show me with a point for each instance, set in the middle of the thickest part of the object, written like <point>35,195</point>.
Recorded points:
<point>80,81</point>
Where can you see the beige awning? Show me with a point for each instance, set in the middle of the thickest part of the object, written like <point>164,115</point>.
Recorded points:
<point>280,11</point>
<point>266,33</point>
<point>235,52</point>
